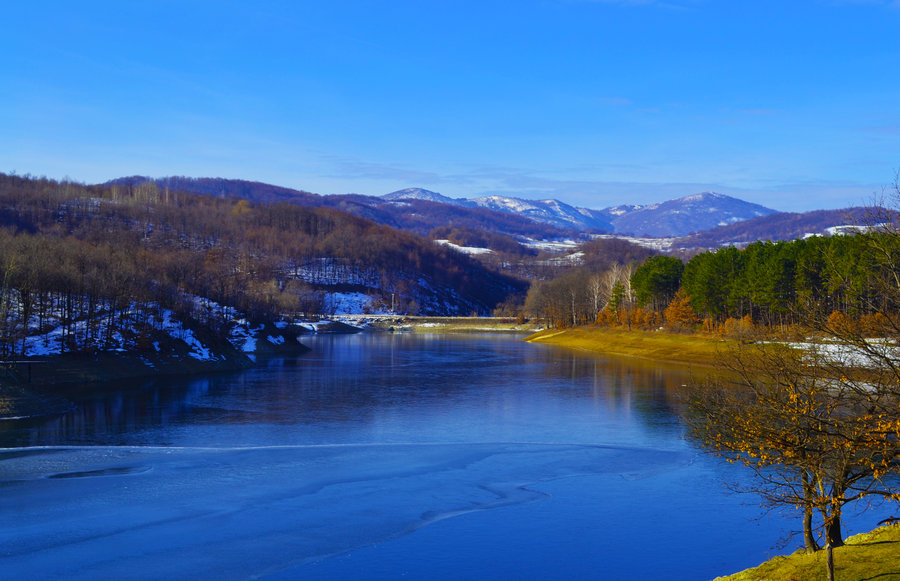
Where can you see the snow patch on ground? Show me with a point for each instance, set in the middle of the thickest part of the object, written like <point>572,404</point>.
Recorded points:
<point>349,303</point>
<point>559,246</point>
<point>658,244</point>
<point>198,350</point>
<point>243,337</point>
<point>126,334</point>
<point>472,250</point>
<point>879,350</point>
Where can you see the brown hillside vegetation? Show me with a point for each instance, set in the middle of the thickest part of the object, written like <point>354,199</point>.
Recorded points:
<point>90,251</point>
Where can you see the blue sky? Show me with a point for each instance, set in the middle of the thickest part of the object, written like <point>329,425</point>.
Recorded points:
<point>794,105</point>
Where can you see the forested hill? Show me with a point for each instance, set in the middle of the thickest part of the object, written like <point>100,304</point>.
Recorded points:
<point>778,226</point>
<point>222,188</point>
<point>71,253</point>
<point>413,215</point>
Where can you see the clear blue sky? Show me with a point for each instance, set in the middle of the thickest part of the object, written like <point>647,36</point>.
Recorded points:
<point>794,105</point>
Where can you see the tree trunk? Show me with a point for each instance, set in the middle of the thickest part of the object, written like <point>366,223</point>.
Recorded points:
<point>829,561</point>
<point>833,535</point>
<point>809,540</point>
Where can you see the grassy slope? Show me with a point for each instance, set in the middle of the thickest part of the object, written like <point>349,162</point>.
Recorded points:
<point>873,555</point>
<point>694,350</point>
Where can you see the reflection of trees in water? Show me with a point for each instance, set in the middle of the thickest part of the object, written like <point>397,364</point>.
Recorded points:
<point>649,390</point>
<point>109,413</point>
<point>366,379</point>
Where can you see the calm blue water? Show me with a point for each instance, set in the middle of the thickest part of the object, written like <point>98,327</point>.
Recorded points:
<point>378,457</point>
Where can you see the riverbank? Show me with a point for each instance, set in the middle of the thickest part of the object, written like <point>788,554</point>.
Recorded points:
<point>36,386</point>
<point>871,555</point>
<point>33,388</point>
<point>693,350</point>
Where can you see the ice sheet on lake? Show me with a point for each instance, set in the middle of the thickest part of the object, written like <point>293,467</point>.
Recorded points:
<point>154,513</point>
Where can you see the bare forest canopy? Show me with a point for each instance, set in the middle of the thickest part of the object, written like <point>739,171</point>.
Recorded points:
<point>480,227</point>
<point>90,251</point>
<point>417,216</point>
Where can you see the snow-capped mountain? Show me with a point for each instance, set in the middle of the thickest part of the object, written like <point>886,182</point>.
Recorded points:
<point>551,212</point>
<point>426,195</point>
<point>621,209</point>
<point>686,215</point>
<point>672,218</point>
<point>677,217</point>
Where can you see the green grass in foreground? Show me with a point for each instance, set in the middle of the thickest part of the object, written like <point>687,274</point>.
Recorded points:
<point>873,555</point>
<point>696,350</point>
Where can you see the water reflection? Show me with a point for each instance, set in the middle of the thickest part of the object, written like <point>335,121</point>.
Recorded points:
<point>379,387</point>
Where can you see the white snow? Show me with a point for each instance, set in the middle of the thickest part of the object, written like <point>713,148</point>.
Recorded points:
<point>660,244</point>
<point>125,337</point>
<point>243,337</point>
<point>348,303</point>
<point>846,229</point>
<point>851,355</point>
<point>559,246</point>
<point>472,250</point>
<point>198,351</point>
<point>508,204</point>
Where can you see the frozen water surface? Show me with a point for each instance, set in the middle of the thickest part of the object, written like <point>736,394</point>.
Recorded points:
<point>378,457</point>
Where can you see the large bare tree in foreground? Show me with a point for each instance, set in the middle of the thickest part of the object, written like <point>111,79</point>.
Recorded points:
<point>818,423</point>
<point>813,441</point>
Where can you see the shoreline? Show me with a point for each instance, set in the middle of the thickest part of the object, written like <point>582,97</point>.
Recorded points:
<point>46,394</point>
<point>658,346</point>
<point>37,387</point>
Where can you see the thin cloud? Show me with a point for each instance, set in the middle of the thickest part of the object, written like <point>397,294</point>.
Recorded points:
<point>615,101</point>
<point>883,129</point>
<point>758,111</point>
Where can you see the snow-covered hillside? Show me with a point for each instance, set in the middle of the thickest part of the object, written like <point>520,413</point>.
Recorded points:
<point>168,335</point>
<point>551,212</point>
<point>671,218</point>
<point>426,195</point>
<point>688,214</point>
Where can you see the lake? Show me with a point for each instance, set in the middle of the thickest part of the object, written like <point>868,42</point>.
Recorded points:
<point>379,456</point>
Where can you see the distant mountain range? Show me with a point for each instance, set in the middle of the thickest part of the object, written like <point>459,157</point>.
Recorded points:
<point>688,214</point>
<point>425,196</point>
<point>553,212</point>
<point>778,226</point>
<point>672,218</point>
<point>706,219</point>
